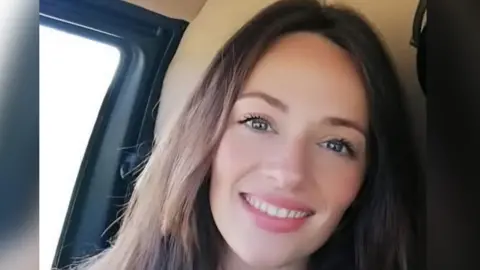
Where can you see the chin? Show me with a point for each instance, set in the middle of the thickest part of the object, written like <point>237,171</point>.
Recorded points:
<point>265,260</point>
<point>262,263</point>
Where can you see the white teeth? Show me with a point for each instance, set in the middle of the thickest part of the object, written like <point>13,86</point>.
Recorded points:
<point>257,204</point>
<point>272,210</point>
<point>282,213</point>
<point>263,207</point>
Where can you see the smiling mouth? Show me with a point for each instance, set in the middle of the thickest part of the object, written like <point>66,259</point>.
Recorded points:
<point>274,210</point>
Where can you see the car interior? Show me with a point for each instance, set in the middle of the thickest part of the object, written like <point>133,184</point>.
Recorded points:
<point>159,50</point>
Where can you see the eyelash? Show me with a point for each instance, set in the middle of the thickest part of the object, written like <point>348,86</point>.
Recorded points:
<point>252,117</point>
<point>350,152</point>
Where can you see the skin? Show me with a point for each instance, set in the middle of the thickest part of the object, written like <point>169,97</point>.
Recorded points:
<point>301,84</point>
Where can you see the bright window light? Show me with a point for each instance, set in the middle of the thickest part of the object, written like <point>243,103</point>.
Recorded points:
<point>75,74</point>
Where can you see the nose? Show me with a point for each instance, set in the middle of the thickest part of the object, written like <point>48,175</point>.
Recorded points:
<point>290,167</point>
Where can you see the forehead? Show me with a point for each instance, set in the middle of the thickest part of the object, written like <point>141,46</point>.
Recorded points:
<point>306,70</point>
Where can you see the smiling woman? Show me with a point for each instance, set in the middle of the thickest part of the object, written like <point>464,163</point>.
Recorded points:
<point>293,153</point>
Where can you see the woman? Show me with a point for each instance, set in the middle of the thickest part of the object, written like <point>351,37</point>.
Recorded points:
<point>293,153</point>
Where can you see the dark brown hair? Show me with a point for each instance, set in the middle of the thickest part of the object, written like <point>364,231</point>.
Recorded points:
<point>168,224</point>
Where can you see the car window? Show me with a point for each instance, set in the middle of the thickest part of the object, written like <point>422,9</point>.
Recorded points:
<point>75,75</point>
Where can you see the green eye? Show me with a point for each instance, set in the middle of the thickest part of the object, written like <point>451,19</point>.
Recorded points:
<point>257,123</point>
<point>339,146</point>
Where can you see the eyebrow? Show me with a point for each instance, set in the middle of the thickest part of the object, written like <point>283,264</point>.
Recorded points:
<point>275,102</point>
<point>342,122</point>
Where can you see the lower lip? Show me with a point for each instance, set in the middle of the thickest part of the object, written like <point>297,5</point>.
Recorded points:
<point>273,224</point>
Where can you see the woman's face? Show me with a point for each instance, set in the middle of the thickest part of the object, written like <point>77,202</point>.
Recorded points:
<point>292,158</point>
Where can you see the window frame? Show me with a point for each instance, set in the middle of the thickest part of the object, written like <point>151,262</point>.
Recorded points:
<point>124,131</point>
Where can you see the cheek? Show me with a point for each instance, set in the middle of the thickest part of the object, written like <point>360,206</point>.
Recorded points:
<point>338,180</point>
<point>240,151</point>
<point>230,158</point>
<point>235,157</point>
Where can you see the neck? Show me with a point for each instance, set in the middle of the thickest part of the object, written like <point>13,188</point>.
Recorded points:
<point>231,261</point>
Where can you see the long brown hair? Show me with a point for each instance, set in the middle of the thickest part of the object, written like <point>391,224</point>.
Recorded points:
<point>168,224</point>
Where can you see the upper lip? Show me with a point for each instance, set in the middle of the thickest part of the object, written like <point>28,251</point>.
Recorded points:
<point>283,202</point>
